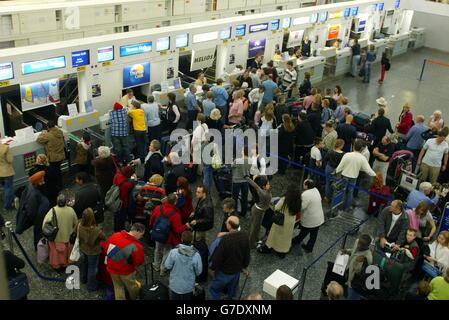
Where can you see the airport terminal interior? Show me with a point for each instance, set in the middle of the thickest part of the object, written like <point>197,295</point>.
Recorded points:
<point>127,160</point>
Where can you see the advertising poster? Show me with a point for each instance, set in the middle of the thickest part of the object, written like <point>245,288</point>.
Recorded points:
<point>232,57</point>
<point>295,38</point>
<point>39,94</point>
<point>333,32</point>
<point>96,86</point>
<point>136,75</point>
<point>255,47</point>
<point>170,70</point>
<point>202,59</point>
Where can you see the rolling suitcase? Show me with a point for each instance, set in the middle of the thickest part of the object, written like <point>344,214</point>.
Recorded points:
<point>223,181</point>
<point>361,120</point>
<point>154,291</point>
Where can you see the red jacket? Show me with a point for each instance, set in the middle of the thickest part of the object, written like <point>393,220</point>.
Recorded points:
<point>405,122</point>
<point>125,188</point>
<point>125,253</point>
<point>177,228</point>
<point>186,210</point>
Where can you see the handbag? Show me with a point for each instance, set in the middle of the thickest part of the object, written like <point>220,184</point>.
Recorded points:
<point>42,251</point>
<point>279,216</point>
<point>75,254</point>
<point>18,286</point>
<point>50,230</point>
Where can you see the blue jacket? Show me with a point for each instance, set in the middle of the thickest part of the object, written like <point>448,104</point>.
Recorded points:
<point>191,102</point>
<point>414,139</point>
<point>184,263</point>
<point>220,96</point>
<point>416,197</point>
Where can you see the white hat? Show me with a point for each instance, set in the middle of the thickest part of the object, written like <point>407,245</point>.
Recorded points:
<point>381,101</point>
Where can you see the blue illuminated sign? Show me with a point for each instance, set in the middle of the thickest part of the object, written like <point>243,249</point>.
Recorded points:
<point>80,58</point>
<point>397,4</point>
<point>275,24</point>
<point>314,18</point>
<point>240,30</point>
<point>347,12</point>
<point>135,49</point>
<point>6,71</point>
<point>354,11</point>
<point>258,27</point>
<point>136,75</point>
<point>286,23</point>
<point>225,33</point>
<point>381,6</point>
<point>323,16</point>
<point>43,65</point>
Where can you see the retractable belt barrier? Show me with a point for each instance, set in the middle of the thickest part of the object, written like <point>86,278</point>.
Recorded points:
<point>431,61</point>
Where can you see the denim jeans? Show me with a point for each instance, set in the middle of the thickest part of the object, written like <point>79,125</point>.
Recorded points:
<point>354,64</point>
<point>89,268</point>
<point>236,188</point>
<point>121,148</point>
<point>367,72</point>
<point>141,144</point>
<point>328,190</point>
<point>177,296</point>
<point>8,191</point>
<point>207,176</point>
<point>349,191</point>
<point>223,281</point>
<point>352,294</point>
<point>161,251</point>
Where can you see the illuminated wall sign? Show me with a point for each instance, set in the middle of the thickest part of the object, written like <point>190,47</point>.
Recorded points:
<point>295,38</point>
<point>362,25</point>
<point>258,27</point>
<point>375,7</point>
<point>397,4</point>
<point>201,59</point>
<point>275,24</point>
<point>39,94</point>
<point>105,54</point>
<point>136,75</point>
<point>301,20</point>
<point>225,33</point>
<point>240,30</point>
<point>43,65</point>
<point>256,47</point>
<point>203,37</point>
<point>6,71</point>
<point>80,58</point>
<point>323,16</point>
<point>314,18</point>
<point>286,23</point>
<point>333,32</point>
<point>381,6</point>
<point>135,49</point>
<point>336,15</point>
<point>354,11</point>
<point>182,40</point>
<point>163,44</point>
<point>347,12</point>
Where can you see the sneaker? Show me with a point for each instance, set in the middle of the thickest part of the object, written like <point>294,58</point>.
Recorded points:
<point>263,249</point>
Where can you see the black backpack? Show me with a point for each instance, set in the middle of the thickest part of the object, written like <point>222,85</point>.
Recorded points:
<point>171,116</point>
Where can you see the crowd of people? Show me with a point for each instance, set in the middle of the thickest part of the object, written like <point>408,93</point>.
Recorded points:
<point>149,191</point>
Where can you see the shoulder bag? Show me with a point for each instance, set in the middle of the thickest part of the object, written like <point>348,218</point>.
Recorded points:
<point>51,229</point>
<point>279,216</point>
<point>75,254</point>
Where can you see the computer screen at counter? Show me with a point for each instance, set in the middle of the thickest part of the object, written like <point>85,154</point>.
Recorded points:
<point>6,71</point>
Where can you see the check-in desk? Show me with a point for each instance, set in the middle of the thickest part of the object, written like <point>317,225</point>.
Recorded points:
<point>363,43</point>
<point>313,65</point>
<point>330,54</point>
<point>343,61</point>
<point>398,44</point>
<point>162,99</point>
<point>417,37</point>
<point>380,45</point>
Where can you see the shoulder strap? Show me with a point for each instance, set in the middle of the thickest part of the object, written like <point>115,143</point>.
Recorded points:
<point>54,219</point>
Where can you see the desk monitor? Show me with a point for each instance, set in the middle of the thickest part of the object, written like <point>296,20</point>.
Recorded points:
<point>182,40</point>
<point>105,54</point>
<point>275,24</point>
<point>6,71</point>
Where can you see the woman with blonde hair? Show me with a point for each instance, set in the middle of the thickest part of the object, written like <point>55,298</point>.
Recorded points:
<point>405,121</point>
<point>436,120</point>
<point>89,236</point>
<point>439,252</point>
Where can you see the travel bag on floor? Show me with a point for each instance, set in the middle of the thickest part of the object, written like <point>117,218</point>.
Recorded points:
<point>155,290</point>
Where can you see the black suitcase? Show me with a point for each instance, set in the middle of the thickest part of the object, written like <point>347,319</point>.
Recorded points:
<point>361,120</point>
<point>203,250</point>
<point>223,181</point>
<point>154,291</point>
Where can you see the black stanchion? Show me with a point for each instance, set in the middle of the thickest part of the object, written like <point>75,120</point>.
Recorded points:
<point>302,283</point>
<point>422,70</point>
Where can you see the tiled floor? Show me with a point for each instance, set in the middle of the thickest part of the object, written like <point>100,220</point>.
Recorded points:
<point>401,85</point>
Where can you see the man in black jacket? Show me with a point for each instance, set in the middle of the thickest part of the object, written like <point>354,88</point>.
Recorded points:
<point>314,117</point>
<point>380,125</point>
<point>88,196</point>
<point>392,225</point>
<point>174,169</point>
<point>153,161</point>
<point>202,219</point>
<point>347,132</point>
<point>304,136</point>
<point>231,257</point>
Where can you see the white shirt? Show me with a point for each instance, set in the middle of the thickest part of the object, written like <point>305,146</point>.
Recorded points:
<point>394,219</point>
<point>352,163</point>
<point>434,152</point>
<point>177,114</point>
<point>440,253</point>
<point>365,152</point>
<point>315,154</point>
<point>312,214</point>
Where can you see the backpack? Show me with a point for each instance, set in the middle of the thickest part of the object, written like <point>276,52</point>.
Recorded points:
<point>162,226</point>
<point>387,65</point>
<point>112,200</point>
<point>171,116</point>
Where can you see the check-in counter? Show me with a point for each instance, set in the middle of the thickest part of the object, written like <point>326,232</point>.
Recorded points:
<point>80,121</point>
<point>380,45</point>
<point>418,37</point>
<point>343,61</point>
<point>363,43</point>
<point>161,97</point>
<point>313,65</point>
<point>398,44</point>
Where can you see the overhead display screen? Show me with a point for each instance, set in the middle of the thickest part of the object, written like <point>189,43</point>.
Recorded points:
<point>163,44</point>
<point>80,58</point>
<point>6,71</point>
<point>225,33</point>
<point>323,16</point>
<point>314,18</point>
<point>347,12</point>
<point>240,30</point>
<point>258,27</point>
<point>381,6</point>
<point>43,65</point>
<point>105,54</point>
<point>135,49</point>
<point>275,24</point>
<point>286,23</point>
<point>397,4</point>
<point>354,11</point>
<point>136,75</point>
<point>182,40</point>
